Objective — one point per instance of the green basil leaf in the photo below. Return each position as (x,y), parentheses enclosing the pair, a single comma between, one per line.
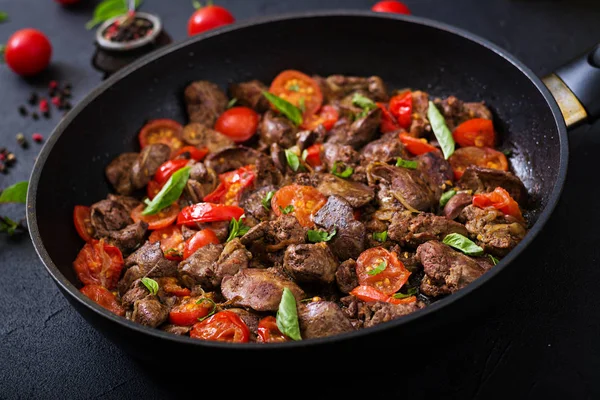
(170,192)
(440,130)
(400,162)
(304,154)
(108,9)
(287,315)
(16,193)
(285,107)
(237,228)
(151,285)
(344,174)
(292,160)
(213,309)
(463,244)
(446,197)
(286,210)
(3,16)
(9,226)
(266,201)
(363,102)
(378,269)
(380,236)
(232,102)
(494,259)
(320,236)
(409,292)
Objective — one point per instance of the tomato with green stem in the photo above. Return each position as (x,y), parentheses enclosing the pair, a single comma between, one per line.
(208,17)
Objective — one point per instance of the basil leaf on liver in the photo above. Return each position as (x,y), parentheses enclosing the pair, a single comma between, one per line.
(285,107)
(169,193)
(287,316)
(463,244)
(440,130)
(446,197)
(400,162)
(319,236)
(150,284)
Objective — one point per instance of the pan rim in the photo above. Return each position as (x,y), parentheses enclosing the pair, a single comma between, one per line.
(428,311)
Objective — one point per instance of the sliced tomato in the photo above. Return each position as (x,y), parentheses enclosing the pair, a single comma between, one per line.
(297,88)
(327,117)
(168,168)
(83,222)
(369,293)
(388,121)
(165,131)
(199,240)
(103,297)
(268,332)
(224,326)
(475,132)
(162,219)
(238,123)
(152,189)
(300,201)
(170,285)
(171,241)
(232,185)
(499,199)
(389,279)
(313,155)
(481,156)
(189,310)
(401,107)
(414,145)
(208,212)
(99,263)
(193,152)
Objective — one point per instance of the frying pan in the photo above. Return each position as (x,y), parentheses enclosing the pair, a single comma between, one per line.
(405,51)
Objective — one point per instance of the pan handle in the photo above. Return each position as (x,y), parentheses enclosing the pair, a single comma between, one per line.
(576,88)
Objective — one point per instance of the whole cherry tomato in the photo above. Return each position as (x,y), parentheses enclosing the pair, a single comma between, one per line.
(391,6)
(239,123)
(28,52)
(209,17)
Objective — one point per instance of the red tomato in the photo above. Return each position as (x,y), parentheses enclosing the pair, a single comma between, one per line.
(164,131)
(327,117)
(401,107)
(388,121)
(209,17)
(292,85)
(194,152)
(499,199)
(171,241)
(475,132)
(208,212)
(481,156)
(414,145)
(83,224)
(390,279)
(99,264)
(67,2)
(28,52)
(162,219)
(199,240)
(313,155)
(224,326)
(233,183)
(171,285)
(152,189)
(369,293)
(301,201)
(239,123)
(168,168)
(391,6)
(189,310)
(268,332)
(103,297)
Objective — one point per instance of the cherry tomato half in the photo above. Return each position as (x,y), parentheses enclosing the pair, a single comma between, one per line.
(369,293)
(162,219)
(223,326)
(232,185)
(499,199)
(199,240)
(481,156)
(99,263)
(313,155)
(401,107)
(83,223)
(475,132)
(391,6)
(238,123)
(300,201)
(171,241)
(168,168)
(28,52)
(209,17)
(268,332)
(152,189)
(103,297)
(189,310)
(170,285)
(381,269)
(297,88)
(414,145)
(194,152)
(327,117)
(165,131)
(388,121)
(208,212)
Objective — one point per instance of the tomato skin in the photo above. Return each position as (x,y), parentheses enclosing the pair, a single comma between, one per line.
(208,212)
(327,117)
(152,189)
(499,199)
(99,263)
(168,168)
(416,146)
(194,152)
(171,241)
(391,6)
(224,326)
(401,107)
(481,156)
(165,131)
(171,285)
(28,52)
(306,201)
(231,186)
(82,221)
(390,280)
(104,298)
(388,121)
(368,294)
(208,17)
(308,89)
(199,240)
(313,155)
(188,311)
(475,132)
(268,332)
(238,123)
(162,219)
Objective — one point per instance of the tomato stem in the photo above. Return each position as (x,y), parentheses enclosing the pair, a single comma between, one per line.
(2,49)
(196,4)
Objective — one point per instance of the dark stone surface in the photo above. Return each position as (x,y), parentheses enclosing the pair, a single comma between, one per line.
(538,340)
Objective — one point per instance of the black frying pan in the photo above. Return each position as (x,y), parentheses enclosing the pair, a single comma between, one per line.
(404,51)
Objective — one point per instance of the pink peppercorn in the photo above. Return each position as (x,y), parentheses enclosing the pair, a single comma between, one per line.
(56,101)
(37,137)
(44,106)
(53,85)
(2,156)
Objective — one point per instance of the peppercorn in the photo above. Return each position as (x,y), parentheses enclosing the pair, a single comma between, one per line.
(33,98)
(23,111)
(44,106)
(37,137)
(35,116)
(66,105)
(66,92)
(53,85)
(46,114)
(10,159)
(21,140)
(56,101)
(3,168)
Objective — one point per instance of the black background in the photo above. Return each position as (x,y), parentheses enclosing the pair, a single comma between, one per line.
(539,339)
